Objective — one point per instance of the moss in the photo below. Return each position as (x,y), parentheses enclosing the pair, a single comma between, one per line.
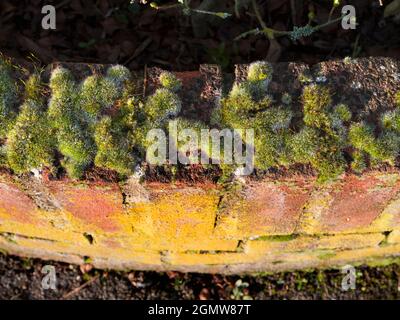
(359,163)
(99,93)
(189,146)
(119,75)
(68,119)
(169,81)
(8,97)
(30,143)
(259,76)
(162,105)
(260,71)
(398,99)
(316,101)
(328,133)
(304,145)
(382,149)
(286,98)
(3,156)
(343,112)
(114,150)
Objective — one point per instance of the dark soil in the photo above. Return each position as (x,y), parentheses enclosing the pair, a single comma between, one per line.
(124,31)
(21,279)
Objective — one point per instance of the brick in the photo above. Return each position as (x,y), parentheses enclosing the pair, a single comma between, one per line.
(268,208)
(304,243)
(352,205)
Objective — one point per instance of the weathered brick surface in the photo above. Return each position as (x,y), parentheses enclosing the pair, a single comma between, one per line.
(272,226)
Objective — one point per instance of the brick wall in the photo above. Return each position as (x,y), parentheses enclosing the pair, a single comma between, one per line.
(271,224)
(277,223)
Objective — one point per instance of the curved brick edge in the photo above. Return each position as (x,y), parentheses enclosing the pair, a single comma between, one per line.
(269,225)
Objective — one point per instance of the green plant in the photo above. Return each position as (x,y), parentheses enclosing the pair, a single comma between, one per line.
(30,143)
(169,81)
(188,138)
(162,105)
(68,119)
(381,149)
(114,148)
(249,105)
(8,97)
(326,130)
(98,93)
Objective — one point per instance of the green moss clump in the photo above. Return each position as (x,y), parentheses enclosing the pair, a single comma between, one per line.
(316,101)
(30,143)
(359,163)
(322,142)
(119,75)
(398,99)
(259,76)
(342,112)
(188,137)
(3,156)
(99,93)
(8,97)
(260,71)
(382,149)
(304,145)
(69,120)
(114,148)
(169,81)
(162,105)
(248,106)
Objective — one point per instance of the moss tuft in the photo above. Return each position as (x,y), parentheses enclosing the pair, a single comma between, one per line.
(114,149)
(316,101)
(259,76)
(8,97)
(382,149)
(169,81)
(162,105)
(30,143)
(189,140)
(343,112)
(68,119)
(260,71)
(119,75)
(99,93)
(328,133)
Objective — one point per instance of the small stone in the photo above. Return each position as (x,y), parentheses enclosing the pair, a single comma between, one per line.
(204,294)
(86,268)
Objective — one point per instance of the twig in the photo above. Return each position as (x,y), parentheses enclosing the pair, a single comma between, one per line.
(272,33)
(258,14)
(76,290)
(237,4)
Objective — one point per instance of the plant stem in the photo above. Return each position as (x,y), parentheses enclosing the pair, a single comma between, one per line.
(271,33)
